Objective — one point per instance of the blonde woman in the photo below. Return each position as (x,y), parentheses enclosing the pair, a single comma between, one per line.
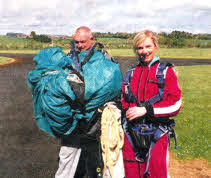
(148,102)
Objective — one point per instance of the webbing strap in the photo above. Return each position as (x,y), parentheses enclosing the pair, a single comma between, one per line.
(128,91)
(128,76)
(161,131)
(74,56)
(125,128)
(160,77)
(143,129)
(88,55)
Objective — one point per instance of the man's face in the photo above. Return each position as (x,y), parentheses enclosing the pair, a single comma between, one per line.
(83,40)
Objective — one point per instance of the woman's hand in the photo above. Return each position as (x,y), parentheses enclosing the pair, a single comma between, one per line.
(135,112)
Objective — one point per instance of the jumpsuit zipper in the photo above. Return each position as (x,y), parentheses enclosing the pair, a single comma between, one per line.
(139,83)
(145,83)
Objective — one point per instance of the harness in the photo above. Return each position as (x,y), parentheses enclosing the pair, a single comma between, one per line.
(74,55)
(142,136)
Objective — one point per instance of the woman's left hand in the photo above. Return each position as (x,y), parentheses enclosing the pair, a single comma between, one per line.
(135,112)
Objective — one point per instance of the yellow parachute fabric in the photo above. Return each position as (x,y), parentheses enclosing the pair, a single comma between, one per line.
(112,137)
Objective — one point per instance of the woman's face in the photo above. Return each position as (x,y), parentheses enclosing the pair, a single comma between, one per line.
(146,50)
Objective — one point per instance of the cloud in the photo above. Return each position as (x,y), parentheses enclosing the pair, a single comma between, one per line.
(64,16)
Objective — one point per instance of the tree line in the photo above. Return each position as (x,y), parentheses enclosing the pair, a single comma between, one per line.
(40,38)
(175,39)
(173,34)
(121,40)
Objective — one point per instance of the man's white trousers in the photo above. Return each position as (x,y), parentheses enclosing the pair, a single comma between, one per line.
(68,162)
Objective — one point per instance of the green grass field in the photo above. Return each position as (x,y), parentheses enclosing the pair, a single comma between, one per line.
(193,122)
(196,53)
(4,60)
(192,53)
(19,43)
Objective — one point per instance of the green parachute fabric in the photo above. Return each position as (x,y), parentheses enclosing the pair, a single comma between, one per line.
(56,108)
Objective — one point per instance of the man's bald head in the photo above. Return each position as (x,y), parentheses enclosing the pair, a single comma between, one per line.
(83,38)
(84,30)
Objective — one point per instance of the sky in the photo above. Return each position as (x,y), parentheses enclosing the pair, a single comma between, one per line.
(63,17)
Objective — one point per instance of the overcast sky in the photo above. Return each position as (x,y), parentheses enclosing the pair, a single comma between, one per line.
(64,16)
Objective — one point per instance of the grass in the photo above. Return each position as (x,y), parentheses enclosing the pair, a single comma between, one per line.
(19,43)
(193,122)
(189,53)
(192,53)
(200,53)
(4,60)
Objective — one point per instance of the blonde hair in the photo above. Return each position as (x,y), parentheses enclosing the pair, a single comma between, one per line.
(141,36)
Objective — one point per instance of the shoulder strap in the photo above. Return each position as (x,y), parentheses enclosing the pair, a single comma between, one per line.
(160,75)
(104,52)
(128,94)
(73,54)
(128,76)
(89,55)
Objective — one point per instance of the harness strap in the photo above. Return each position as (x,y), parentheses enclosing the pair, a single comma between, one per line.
(73,54)
(161,131)
(88,55)
(171,134)
(160,75)
(125,128)
(128,92)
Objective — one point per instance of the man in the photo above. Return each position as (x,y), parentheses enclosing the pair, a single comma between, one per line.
(67,93)
(75,146)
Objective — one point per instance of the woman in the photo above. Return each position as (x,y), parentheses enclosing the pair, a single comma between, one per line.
(143,110)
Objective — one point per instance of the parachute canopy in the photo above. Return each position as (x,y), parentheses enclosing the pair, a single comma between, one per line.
(56,107)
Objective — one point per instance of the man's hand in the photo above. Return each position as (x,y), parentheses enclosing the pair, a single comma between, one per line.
(135,112)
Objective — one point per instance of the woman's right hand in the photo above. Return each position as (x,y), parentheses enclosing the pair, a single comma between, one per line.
(135,112)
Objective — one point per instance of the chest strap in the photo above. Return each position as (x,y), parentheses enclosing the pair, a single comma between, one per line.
(160,75)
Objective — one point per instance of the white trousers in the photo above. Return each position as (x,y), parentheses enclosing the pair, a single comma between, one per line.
(68,162)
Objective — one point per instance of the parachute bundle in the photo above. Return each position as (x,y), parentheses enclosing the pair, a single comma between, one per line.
(57,108)
(112,139)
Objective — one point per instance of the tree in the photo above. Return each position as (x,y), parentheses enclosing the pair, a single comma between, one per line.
(32,34)
(42,38)
(179,42)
